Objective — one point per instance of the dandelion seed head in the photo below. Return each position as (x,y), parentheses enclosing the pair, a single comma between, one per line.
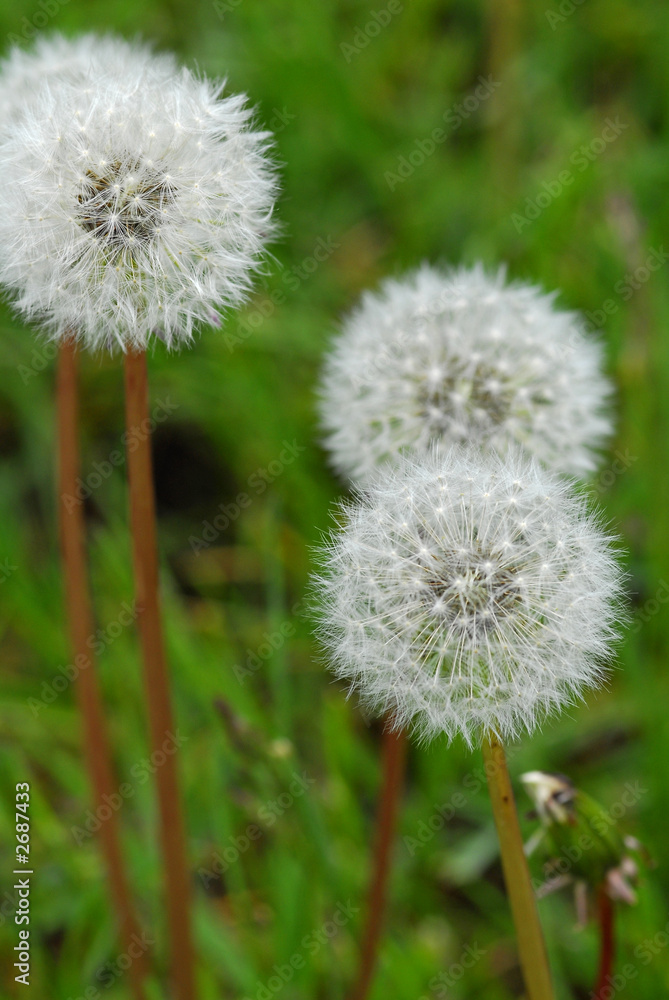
(457,611)
(135,198)
(448,357)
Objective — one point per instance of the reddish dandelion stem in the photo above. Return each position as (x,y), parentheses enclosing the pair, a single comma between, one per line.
(161,724)
(394,755)
(80,626)
(605,915)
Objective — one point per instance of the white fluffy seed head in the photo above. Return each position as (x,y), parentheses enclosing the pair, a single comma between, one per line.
(468,593)
(447,357)
(82,59)
(135,202)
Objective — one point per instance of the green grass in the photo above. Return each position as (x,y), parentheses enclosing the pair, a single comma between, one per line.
(342,127)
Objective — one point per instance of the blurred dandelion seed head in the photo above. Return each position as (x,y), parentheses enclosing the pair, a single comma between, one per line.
(460,356)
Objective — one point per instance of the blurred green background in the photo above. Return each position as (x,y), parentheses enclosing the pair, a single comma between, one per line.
(353,109)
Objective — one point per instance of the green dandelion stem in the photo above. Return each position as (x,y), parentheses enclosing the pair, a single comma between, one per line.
(531,947)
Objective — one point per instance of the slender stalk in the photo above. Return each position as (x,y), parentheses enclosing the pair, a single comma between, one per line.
(80,626)
(605,914)
(161,724)
(394,755)
(531,947)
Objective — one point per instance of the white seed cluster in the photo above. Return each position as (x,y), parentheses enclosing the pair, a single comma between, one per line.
(82,59)
(468,593)
(459,356)
(136,200)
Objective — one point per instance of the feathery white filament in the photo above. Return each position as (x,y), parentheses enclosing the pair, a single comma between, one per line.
(82,59)
(135,201)
(459,356)
(467,592)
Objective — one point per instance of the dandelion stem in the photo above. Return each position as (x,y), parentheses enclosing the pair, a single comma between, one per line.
(394,754)
(161,724)
(80,626)
(605,914)
(531,947)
